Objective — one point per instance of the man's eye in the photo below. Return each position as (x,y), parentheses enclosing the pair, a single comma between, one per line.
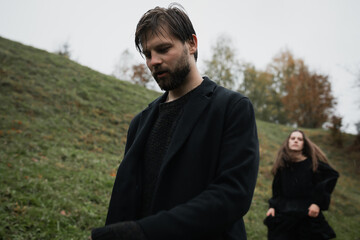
(164,50)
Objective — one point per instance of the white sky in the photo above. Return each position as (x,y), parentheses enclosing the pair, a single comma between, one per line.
(324,33)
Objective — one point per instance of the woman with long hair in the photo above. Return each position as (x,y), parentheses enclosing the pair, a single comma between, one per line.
(302,186)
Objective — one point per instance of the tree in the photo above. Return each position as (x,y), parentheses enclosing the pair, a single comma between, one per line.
(259,87)
(223,67)
(64,50)
(141,74)
(356,144)
(308,99)
(335,131)
(123,68)
(283,67)
(306,96)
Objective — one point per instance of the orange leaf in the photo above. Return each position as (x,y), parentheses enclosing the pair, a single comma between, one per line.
(64,213)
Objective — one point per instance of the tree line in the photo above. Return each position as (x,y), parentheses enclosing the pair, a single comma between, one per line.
(287,92)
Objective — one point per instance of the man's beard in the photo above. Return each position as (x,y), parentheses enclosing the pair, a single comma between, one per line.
(177,77)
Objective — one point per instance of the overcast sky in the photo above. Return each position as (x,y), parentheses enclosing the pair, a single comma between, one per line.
(324,33)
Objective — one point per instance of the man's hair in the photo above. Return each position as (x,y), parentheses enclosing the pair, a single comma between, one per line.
(173,17)
(310,150)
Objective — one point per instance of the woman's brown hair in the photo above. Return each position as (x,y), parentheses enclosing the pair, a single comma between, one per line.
(285,156)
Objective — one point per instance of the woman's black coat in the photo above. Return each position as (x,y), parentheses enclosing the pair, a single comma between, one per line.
(295,188)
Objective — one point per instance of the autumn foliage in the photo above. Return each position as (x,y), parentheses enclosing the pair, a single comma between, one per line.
(306,96)
(287,92)
(141,74)
(259,87)
(308,100)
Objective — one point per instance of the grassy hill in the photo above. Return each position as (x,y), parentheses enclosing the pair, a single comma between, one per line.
(62,134)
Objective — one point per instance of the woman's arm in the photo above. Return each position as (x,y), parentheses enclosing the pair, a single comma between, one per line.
(325,180)
(276,190)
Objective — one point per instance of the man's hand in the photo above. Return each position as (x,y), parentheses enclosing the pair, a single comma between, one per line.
(314,210)
(271,212)
(128,230)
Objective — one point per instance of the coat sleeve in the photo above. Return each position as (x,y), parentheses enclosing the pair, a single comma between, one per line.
(131,133)
(325,179)
(113,212)
(276,190)
(227,199)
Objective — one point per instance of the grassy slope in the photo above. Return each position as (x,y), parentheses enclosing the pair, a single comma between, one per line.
(62,134)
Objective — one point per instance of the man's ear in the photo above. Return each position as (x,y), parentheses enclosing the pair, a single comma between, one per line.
(193,44)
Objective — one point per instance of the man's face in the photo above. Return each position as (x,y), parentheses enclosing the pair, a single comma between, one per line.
(167,58)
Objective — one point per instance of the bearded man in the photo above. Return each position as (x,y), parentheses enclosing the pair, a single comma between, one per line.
(191,157)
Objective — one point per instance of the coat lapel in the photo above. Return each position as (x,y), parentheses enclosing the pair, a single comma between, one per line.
(193,109)
(147,118)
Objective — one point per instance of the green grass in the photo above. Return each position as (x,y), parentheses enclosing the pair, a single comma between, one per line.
(62,133)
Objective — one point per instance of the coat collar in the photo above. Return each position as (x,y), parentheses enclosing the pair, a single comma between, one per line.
(193,109)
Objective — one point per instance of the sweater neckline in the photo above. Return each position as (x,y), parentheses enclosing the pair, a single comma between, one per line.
(302,161)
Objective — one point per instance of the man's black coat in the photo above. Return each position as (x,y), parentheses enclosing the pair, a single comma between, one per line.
(208,175)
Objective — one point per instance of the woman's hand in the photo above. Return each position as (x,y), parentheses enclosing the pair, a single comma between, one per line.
(271,212)
(314,210)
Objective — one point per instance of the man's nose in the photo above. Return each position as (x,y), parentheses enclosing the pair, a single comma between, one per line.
(155,60)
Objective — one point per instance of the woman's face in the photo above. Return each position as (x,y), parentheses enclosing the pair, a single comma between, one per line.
(296,141)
